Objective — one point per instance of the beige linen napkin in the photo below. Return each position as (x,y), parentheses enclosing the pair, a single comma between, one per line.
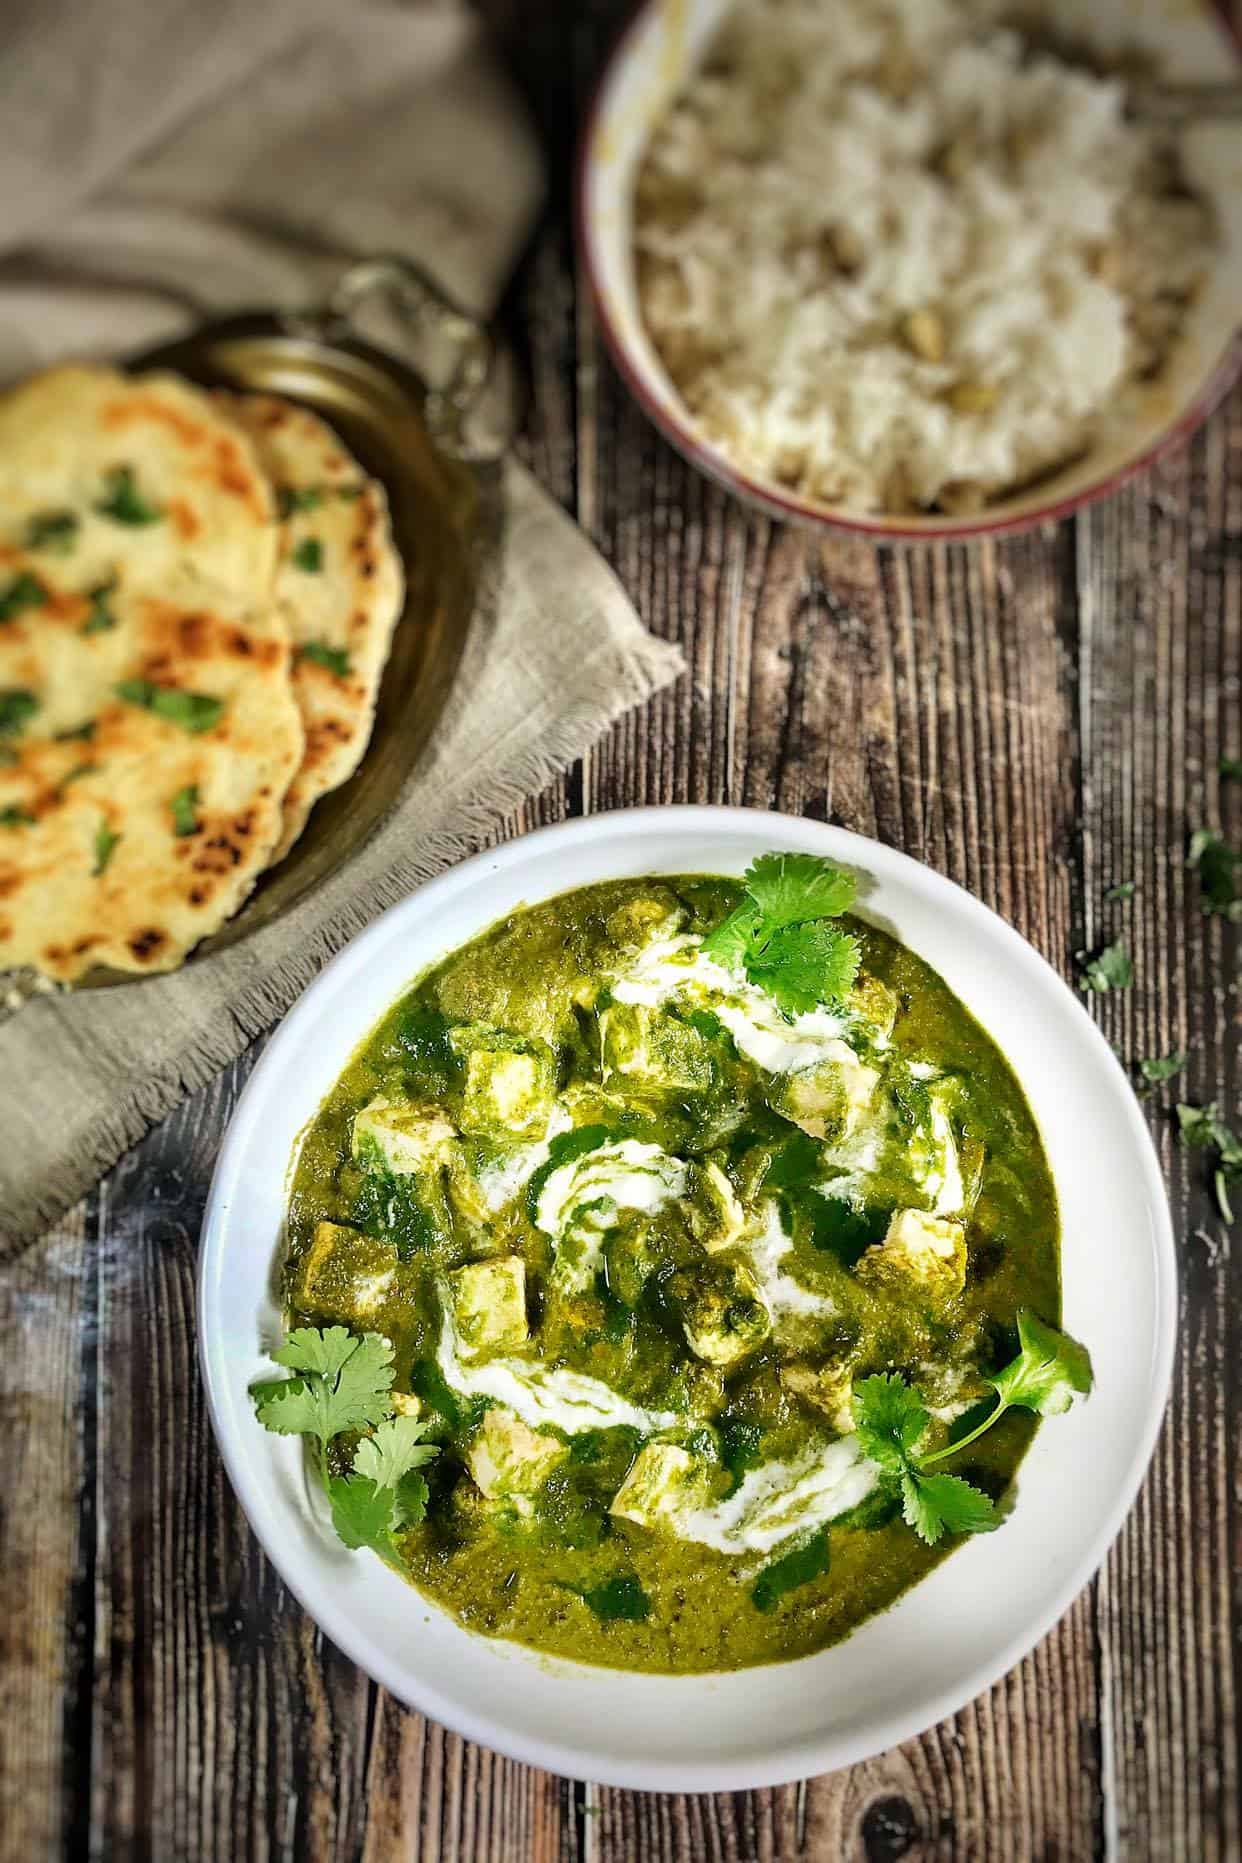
(161,164)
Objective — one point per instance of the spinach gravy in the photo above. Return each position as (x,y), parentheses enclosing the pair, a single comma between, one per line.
(634,1231)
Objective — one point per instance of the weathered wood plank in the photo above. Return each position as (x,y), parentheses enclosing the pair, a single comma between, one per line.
(44,1318)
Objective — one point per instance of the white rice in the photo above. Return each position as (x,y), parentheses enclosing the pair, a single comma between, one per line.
(843,186)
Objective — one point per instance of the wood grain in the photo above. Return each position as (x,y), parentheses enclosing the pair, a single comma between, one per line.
(1037,718)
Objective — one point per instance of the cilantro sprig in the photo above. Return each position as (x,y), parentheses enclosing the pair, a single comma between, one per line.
(779,935)
(341,1385)
(891,1418)
(1220,873)
(1203,1128)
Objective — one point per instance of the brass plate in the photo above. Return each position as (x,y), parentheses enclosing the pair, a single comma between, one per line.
(443,526)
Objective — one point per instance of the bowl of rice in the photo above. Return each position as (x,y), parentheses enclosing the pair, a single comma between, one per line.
(915,268)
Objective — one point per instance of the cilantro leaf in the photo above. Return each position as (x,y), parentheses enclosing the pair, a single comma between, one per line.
(1109,969)
(789,889)
(14,816)
(1049,1371)
(193,711)
(82,734)
(805,965)
(185,810)
(889,1418)
(1220,867)
(938,1504)
(291,498)
(53,531)
(362,1514)
(1164,1067)
(1231,768)
(23,592)
(806,1562)
(72,776)
(122,501)
(100,618)
(307,555)
(106,840)
(17,708)
(393,1450)
(1202,1127)
(412,1496)
(335,659)
(344,1383)
(731,939)
(779,933)
(1124,889)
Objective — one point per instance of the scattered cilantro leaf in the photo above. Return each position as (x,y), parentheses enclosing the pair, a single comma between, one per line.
(307,555)
(1220,872)
(336,659)
(185,810)
(1109,969)
(122,501)
(100,618)
(82,733)
(779,933)
(618,1600)
(806,1562)
(291,498)
(53,531)
(13,815)
(1164,1067)
(1203,1128)
(1231,768)
(790,889)
(1124,889)
(889,1418)
(412,1495)
(938,1504)
(17,708)
(23,592)
(106,840)
(193,711)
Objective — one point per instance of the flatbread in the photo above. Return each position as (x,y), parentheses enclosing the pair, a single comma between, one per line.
(341,613)
(102,473)
(143,766)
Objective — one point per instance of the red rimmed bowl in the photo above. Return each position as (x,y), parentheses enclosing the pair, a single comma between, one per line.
(649,66)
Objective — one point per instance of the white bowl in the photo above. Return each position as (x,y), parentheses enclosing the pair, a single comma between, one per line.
(651,63)
(982,1609)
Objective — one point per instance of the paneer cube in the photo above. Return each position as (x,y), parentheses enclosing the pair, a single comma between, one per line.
(724,1317)
(713,1213)
(509,1462)
(489,1306)
(649,1049)
(344,1277)
(661,1479)
(875,1003)
(827,1099)
(826,1388)
(407,1140)
(406,1404)
(507,1093)
(920,1254)
(632,924)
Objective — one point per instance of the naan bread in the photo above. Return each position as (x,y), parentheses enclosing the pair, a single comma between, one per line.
(338,582)
(147,738)
(102,473)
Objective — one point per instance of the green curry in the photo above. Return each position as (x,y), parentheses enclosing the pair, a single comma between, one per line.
(643,1188)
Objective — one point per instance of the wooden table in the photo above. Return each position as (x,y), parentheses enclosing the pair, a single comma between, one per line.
(1038,719)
